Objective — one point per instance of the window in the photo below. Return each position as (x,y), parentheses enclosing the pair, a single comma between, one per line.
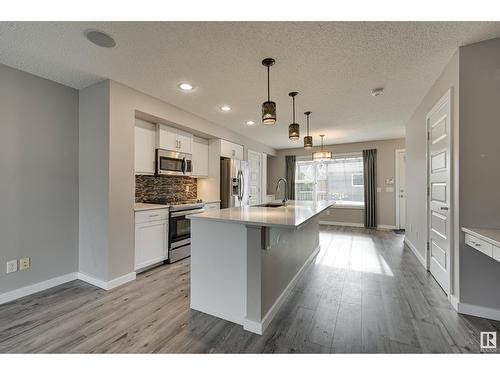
(357,179)
(339,179)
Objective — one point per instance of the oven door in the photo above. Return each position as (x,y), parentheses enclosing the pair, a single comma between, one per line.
(180,228)
(173,163)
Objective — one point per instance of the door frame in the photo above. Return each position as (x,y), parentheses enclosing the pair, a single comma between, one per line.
(396,155)
(259,185)
(447,97)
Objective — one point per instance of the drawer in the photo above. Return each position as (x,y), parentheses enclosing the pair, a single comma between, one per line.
(496,253)
(212,206)
(478,244)
(151,215)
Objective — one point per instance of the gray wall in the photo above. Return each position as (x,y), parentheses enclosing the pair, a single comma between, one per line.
(386,212)
(416,164)
(94,177)
(479,167)
(39,177)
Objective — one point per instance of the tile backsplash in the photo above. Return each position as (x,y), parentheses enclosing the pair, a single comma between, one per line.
(171,188)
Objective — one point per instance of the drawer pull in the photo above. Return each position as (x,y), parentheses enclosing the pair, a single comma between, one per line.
(154,215)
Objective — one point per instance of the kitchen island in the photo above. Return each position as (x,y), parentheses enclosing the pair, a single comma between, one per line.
(245,261)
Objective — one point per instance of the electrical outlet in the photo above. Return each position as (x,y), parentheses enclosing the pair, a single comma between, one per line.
(327,212)
(187,188)
(24,264)
(12,266)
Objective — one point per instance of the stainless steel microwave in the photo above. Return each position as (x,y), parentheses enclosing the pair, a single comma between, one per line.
(173,163)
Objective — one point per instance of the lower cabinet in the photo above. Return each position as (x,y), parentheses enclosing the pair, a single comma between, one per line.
(151,239)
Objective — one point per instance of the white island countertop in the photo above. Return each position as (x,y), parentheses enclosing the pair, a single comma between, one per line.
(294,214)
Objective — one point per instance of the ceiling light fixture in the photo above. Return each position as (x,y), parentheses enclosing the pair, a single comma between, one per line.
(225,108)
(185,86)
(377,91)
(250,123)
(293,128)
(269,107)
(308,140)
(100,38)
(321,155)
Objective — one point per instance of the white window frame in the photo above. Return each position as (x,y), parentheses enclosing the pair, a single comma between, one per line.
(338,204)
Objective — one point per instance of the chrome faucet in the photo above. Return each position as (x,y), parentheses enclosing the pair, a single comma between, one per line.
(285,195)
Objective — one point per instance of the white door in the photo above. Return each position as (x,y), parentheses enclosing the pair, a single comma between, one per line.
(401,188)
(253,178)
(439,192)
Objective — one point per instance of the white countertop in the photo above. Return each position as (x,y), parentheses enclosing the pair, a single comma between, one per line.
(148,206)
(489,235)
(294,214)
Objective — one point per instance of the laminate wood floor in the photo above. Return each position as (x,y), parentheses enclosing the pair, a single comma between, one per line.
(365,293)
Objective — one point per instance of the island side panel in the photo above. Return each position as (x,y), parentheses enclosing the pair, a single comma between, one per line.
(286,258)
(272,273)
(218,269)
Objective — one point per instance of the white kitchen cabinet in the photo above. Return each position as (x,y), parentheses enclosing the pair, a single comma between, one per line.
(200,157)
(173,139)
(151,237)
(231,150)
(144,147)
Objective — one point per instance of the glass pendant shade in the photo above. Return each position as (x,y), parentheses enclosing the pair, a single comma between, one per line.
(294,132)
(322,154)
(308,141)
(269,113)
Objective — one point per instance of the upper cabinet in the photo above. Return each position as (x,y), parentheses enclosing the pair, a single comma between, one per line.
(200,157)
(231,150)
(144,143)
(173,139)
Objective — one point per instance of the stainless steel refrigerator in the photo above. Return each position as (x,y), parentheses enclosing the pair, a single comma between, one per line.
(233,183)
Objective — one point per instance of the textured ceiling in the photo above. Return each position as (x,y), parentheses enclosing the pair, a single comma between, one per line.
(333,65)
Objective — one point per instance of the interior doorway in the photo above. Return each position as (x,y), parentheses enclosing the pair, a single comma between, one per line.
(400,189)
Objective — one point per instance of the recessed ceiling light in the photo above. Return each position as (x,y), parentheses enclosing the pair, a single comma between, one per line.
(250,123)
(377,91)
(100,38)
(225,108)
(185,86)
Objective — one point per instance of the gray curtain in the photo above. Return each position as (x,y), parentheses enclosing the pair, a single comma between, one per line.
(290,175)
(369,173)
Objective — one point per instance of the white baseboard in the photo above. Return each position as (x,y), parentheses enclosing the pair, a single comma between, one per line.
(342,224)
(355,225)
(480,311)
(415,251)
(121,280)
(260,327)
(217,314)
(453,301)
(106,285)
(38,287)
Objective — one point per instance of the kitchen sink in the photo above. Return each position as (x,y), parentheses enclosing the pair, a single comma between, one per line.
(275,204)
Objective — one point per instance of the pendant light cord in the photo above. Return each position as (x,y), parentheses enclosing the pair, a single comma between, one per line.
(308,125)
(268,90)
(293,108)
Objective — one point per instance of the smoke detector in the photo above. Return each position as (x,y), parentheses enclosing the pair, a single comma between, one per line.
(377,91)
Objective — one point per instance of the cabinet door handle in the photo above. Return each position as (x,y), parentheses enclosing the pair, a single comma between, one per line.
(444,208)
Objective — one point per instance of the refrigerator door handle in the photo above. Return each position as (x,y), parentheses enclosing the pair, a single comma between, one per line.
(242,186)
(239,184)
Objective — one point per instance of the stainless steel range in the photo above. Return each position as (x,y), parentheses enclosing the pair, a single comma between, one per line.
(179,238)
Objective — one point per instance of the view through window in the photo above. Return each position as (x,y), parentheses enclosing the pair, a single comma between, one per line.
(339,179)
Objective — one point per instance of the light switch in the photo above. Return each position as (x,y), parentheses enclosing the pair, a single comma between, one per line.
(379,190)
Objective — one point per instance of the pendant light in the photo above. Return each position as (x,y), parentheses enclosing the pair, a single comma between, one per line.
(293,128)
(269,107)
(308,140)
(322,155)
